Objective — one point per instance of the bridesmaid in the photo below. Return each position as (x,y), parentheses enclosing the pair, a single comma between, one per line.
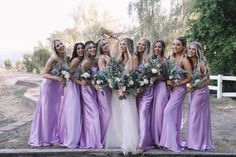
(70,112)
(199,135)
(161,95)
(44,126)
(91,131)
(104,100)
(171,136)
(144,100)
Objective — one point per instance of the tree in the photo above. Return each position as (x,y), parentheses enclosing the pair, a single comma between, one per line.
(154,23)
(214,26)
(37,60)
(8,64)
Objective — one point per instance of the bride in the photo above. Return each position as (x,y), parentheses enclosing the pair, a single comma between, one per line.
(123,129)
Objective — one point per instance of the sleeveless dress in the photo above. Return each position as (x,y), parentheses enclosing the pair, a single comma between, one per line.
(171,136)
(70,123)
(160,99)
(144,102)
(91,131)
(44,128)
(199,135)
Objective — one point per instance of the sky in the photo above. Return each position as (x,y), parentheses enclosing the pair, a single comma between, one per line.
(25,22)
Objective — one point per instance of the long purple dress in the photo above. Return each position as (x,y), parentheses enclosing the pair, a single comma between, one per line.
(70,116)
(199,135)
(160,98)
(104,101)
(91,131)
(170,136)
(144,102)
(44,128)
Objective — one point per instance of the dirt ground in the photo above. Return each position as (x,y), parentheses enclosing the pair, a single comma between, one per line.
(223,116)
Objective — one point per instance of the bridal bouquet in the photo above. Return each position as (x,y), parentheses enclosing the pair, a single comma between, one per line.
(100,79)
(114,73)
(129,85)
(62,70)
(171,71)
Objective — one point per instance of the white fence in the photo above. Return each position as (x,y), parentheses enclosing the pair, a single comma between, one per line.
(218,88)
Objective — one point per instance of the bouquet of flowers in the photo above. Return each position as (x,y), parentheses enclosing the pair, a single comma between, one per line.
(114,73)
(129,85)
(197,78)
(171,71)
(143,77)
(81,74)
(62,70)
(153,68)
(100,79)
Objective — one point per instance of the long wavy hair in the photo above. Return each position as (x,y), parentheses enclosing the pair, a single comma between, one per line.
(99,46)
(183,40)
(146,54)
(74,53)
(130,50)
(163,46)
(200,58)
(54,54)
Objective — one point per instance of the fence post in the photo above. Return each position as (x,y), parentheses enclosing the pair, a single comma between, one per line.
(219,86)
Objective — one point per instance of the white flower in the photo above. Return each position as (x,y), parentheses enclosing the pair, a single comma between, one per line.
(154,71)
(117,79)
(141,83)
(123,88)
(197,81)
(85,75)
(110,85)
(65,74)
(99,82)
(145,81)
(170,77)
(131,82)
(109,81)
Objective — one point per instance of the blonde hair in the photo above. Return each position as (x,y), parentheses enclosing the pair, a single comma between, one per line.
(130,51)
(99,46)
(54,54)
(201,60)
(146,54)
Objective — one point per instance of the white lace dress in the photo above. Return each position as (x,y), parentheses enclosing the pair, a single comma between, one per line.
(123,129)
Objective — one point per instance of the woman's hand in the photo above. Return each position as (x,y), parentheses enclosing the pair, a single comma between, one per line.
(60,79)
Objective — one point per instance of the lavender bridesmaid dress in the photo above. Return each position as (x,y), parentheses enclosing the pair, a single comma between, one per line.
(44,128)
(144,102)
(170,136)
(199,135)
(104,101)
(70,116)
(91,131)
(160,98)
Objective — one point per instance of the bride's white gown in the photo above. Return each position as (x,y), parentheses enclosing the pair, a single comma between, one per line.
(123,129)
